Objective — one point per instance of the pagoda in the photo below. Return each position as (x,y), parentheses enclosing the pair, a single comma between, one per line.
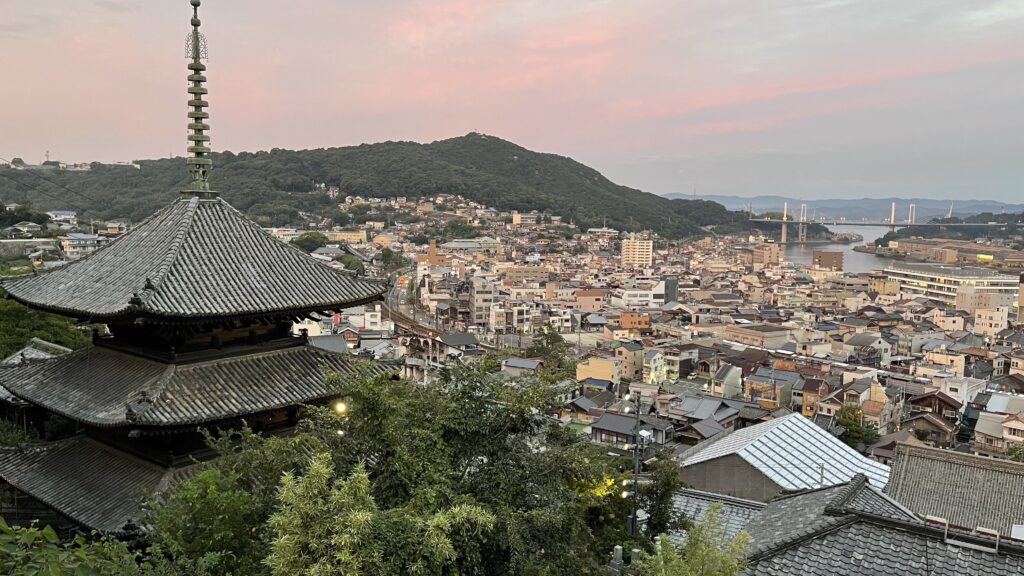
(199,303)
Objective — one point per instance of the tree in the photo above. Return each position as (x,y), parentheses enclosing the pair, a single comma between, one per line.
(19,324)
(1015,452)
(708,551)
(12,435)
(211,518)
(392,260)
(36,550)
(310,241)
(859,434)
(657,497)
(330,525)
(556,352)
(352,263)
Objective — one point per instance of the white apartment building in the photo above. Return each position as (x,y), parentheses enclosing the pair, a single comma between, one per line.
(991,321)
(943,283)
(76,245)
(637,251)
(510,317)
(481,296)
(639,296)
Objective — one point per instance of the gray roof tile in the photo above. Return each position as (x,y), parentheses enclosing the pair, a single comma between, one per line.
(969,491)
(97,385)
(193,259)
(94,485)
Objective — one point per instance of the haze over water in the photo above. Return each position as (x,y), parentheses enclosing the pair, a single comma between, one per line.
(855,262)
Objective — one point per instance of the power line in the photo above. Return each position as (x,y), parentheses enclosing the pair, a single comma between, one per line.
(38,175)
(43,192)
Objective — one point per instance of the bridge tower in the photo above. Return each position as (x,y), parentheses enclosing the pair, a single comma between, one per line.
(912,215)
(892,218)
(785,226)
(801,229)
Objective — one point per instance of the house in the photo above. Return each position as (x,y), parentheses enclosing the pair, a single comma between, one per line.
(785,454)
(814,390)
(771,387)
(995,433)
(76,245)
(516,367)
(621,429)
(631,356)
(727,381)
(698,418)
(853,529)
(884,449)
(459,345)
(966,490)
(936,415)
(63,217)
(603,367)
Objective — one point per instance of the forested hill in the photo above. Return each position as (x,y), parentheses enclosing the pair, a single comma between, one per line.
(272,187)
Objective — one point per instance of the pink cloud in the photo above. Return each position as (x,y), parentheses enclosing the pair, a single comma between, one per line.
(688,101)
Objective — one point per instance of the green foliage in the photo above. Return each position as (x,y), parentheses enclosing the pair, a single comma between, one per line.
(458,476)
(461,475)
(656,498)
(458,229)
(273,187)
(708,551)
(859,434)
(22,214)
(310,241)
(392,260)
(12,435)
(352,263)
(210,516)
(1015,452)
(558,356)
(330,525)
(36,551)
(19,324)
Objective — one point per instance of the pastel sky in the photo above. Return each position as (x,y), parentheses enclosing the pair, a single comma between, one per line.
(810,98)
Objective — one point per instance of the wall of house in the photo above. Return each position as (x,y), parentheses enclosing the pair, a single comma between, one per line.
(732,476)
(600,368)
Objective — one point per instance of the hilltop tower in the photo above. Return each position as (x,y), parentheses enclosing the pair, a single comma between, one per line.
(199,302)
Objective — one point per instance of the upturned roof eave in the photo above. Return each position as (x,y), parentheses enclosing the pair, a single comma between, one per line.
(133,312)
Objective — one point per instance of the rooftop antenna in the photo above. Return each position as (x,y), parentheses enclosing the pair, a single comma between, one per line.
(199,163)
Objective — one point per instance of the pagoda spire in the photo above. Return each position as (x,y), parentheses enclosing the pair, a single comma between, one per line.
(199,162)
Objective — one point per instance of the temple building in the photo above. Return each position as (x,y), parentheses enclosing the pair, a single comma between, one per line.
(198,302)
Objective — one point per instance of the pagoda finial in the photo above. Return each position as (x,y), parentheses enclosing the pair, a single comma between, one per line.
(199,162)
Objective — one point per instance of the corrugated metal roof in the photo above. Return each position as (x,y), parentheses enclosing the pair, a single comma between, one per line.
(193,259)
(110,388)
(793,452)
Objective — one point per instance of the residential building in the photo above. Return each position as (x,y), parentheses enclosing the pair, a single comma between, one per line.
(943,283)
(637,251)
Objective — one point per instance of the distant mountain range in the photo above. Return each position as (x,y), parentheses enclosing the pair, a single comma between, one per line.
(861,208)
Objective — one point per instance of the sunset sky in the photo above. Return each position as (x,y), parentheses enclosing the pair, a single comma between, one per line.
(823,98)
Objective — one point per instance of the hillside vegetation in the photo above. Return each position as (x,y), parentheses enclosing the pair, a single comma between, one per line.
(273,187)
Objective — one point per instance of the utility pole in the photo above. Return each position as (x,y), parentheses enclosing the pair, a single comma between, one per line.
(631,523)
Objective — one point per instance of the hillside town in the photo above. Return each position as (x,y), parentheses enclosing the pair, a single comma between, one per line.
(426,384)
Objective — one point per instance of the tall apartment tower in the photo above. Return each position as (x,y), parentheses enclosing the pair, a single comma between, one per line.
(637,251)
